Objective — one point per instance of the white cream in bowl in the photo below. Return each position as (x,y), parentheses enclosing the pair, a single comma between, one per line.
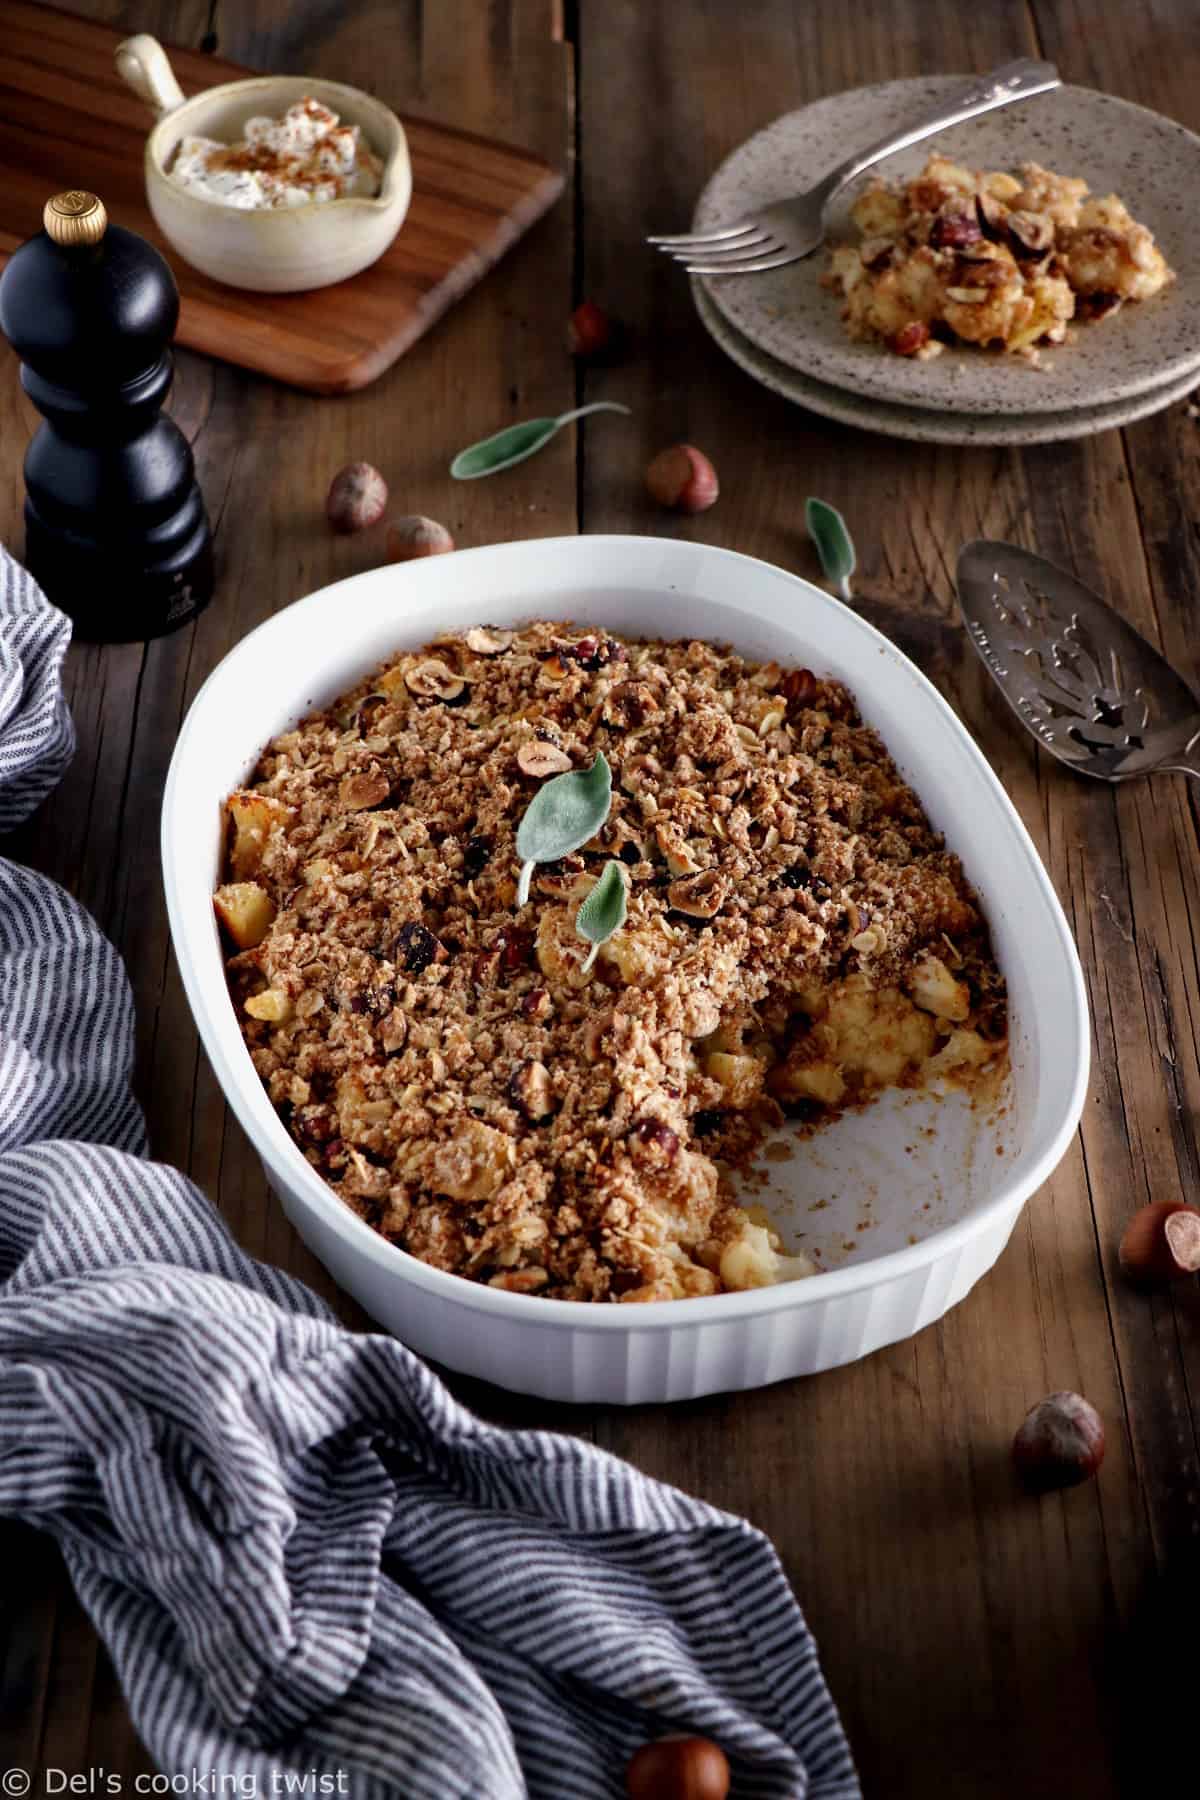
(306,156)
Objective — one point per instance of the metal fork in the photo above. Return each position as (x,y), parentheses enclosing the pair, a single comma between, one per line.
(791,229)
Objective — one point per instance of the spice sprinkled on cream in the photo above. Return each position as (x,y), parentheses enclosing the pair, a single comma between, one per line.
(307,155)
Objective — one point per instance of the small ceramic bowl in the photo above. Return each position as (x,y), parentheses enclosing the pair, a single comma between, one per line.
(280,250)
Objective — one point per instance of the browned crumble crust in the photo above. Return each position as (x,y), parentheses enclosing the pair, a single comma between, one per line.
(797,938)
(985,257)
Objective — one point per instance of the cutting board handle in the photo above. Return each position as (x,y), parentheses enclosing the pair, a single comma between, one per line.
(143,63)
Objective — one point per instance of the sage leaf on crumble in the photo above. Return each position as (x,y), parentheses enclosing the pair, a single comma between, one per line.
(565,812)
(835,547)
(603,911)
(516,442)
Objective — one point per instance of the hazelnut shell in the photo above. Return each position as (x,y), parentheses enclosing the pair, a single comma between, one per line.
(357,497)
(414,536)
(679,1768)
(683,479)
(1060,1443)
(1161,1243)
(589,330)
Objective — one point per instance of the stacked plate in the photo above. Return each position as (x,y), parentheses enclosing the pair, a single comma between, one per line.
(784,328)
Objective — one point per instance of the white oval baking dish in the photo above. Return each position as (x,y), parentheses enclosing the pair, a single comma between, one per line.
(909,1198)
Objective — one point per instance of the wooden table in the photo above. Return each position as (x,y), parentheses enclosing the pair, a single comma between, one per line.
(979,1643)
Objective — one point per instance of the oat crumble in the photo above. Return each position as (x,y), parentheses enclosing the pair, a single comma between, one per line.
(798,938)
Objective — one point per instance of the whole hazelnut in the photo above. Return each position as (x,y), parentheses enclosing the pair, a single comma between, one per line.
(590,331)
(683,479)
(1031,233)
(910,338)
(1161,1243)
(1060,1443)
(414,536)
(951,231)
(800,686)
(655,1141)
(687,1768)
(357,497)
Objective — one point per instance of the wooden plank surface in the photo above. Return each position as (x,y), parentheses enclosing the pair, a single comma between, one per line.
(67,119)
(976,1646)
(979,1643)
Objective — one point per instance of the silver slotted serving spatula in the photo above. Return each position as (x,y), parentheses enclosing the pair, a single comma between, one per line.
(1091,690)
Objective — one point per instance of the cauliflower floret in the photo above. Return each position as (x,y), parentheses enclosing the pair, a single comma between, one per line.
(940,180)
(1107,212)
(845,272)
(473,1164)
(1053,308)
(873,1036)
(876,1032)
(1000,185)
(272,1005)
(252,818)
(636,953)
(741,1077)
(919,283)
(246,910)
(633,954)
(935,990)
(879,212)
(796,1079)
(963,1050)
(1110,253)
(1045,192)
(987,300)
(896,297)
(754,1260)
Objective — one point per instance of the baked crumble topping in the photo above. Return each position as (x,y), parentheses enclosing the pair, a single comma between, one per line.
(797,938)
(984,257)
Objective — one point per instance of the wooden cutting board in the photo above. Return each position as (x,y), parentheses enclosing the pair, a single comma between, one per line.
(68,120)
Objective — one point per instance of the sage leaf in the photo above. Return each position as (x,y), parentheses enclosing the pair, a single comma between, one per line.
(835,547)
(565,812)
(603,910)
(516,442)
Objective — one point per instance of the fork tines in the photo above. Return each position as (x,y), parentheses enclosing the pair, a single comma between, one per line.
(734,250)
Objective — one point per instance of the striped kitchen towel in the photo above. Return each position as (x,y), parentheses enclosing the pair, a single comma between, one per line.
(315,1572)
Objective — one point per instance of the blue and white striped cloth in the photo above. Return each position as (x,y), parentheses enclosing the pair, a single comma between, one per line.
(305,1558)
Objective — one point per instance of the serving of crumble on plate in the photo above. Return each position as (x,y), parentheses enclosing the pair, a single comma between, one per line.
(1110,249)
(797,939)
(988,257)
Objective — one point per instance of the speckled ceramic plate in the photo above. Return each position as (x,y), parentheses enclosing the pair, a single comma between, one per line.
(920,424)
(1152,163)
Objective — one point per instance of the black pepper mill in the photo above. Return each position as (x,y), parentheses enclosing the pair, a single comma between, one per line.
(115,528)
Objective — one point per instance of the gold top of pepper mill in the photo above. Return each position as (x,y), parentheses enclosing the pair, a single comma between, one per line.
(75,217)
